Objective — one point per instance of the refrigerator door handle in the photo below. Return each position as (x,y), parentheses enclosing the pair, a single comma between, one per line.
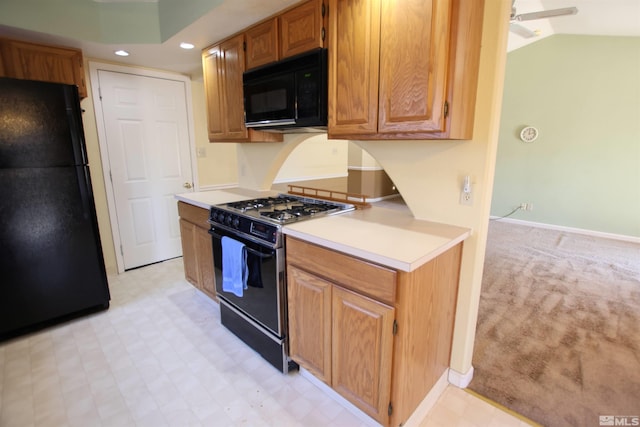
(74,116)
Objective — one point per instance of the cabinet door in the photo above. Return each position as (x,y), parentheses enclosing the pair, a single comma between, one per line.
(309,300)
(189,251)
(353,72)
(301,29)
(362,341)
(262,44)
(212,74)
(222,67)
(45,63)
(414,58)
(232,52)
(204,252)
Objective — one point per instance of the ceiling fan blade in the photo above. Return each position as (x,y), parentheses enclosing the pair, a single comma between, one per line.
(521,31)
(546,14)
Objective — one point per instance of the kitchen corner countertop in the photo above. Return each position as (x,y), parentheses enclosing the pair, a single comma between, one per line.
(390,237)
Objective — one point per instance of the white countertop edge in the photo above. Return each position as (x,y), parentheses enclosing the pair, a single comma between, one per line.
(439,251)
(377,258)
(197,203)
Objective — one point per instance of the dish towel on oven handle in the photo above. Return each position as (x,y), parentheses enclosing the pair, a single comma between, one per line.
(234,266)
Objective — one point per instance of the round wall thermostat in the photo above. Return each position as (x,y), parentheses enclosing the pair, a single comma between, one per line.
(529,134)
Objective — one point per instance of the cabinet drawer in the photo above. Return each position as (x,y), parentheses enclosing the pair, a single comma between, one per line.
(358,275)
(194,214)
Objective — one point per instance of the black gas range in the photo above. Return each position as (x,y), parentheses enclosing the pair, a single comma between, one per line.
(249,267)
(262,218)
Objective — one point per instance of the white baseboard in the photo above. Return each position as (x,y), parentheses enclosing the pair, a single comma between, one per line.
(428,402)
(460,380)
(621,237)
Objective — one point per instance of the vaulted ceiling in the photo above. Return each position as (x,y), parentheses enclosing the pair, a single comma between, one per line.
(151,30)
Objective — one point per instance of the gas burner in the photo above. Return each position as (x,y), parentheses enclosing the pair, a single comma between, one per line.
(263,217)
(249,205)
(279,215)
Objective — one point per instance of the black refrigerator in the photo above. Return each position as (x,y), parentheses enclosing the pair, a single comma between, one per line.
(51,263)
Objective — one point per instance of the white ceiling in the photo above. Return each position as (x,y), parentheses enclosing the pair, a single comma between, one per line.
(595,17)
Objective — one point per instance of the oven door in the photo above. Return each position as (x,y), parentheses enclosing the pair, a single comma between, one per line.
(263,300)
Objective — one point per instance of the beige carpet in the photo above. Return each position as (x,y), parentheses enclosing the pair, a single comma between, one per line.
(558,336)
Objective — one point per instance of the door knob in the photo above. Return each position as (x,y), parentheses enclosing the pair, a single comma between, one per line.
(187,185)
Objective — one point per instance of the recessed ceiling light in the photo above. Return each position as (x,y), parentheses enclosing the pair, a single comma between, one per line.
(185,45)
(121,53)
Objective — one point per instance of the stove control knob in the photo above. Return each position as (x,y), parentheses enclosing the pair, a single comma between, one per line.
(236,222)
(228,220)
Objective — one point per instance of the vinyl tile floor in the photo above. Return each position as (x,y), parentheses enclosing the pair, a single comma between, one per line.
(159,357)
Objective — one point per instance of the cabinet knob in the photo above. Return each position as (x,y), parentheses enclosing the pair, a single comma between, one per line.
(187,185)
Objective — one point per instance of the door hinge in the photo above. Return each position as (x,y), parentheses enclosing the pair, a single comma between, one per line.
(244,46)
(395,327)
(100,93)
(324,10)
(390,409)
(323,33)
(110,177)
(446,109)
(121,251)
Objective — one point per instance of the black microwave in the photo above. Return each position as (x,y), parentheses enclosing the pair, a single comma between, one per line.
(289,95)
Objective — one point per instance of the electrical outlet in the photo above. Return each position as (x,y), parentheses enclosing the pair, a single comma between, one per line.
(201,152)
(466,198)
(526,206)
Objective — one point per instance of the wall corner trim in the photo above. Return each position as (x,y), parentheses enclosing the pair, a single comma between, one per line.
(460,380)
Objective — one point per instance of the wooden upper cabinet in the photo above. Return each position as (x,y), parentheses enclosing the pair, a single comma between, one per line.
(353,62)
(30,61)
(413,65)
(302,28)
(295,31)
(406,69)
(223,65)
(212,69)
(262,44)
(233,60)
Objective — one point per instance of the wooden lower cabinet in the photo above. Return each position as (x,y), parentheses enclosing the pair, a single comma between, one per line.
(362,343)
(343,338)
(380,338)
(197,250)
(309,301)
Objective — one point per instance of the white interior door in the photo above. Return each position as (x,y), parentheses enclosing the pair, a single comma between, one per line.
(147,138)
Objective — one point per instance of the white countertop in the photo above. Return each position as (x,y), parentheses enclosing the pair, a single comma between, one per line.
(388,236)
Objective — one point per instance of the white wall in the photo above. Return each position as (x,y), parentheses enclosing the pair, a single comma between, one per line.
(218,167)
(315,158)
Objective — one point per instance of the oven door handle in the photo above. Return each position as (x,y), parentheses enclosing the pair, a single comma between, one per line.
(251,251)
